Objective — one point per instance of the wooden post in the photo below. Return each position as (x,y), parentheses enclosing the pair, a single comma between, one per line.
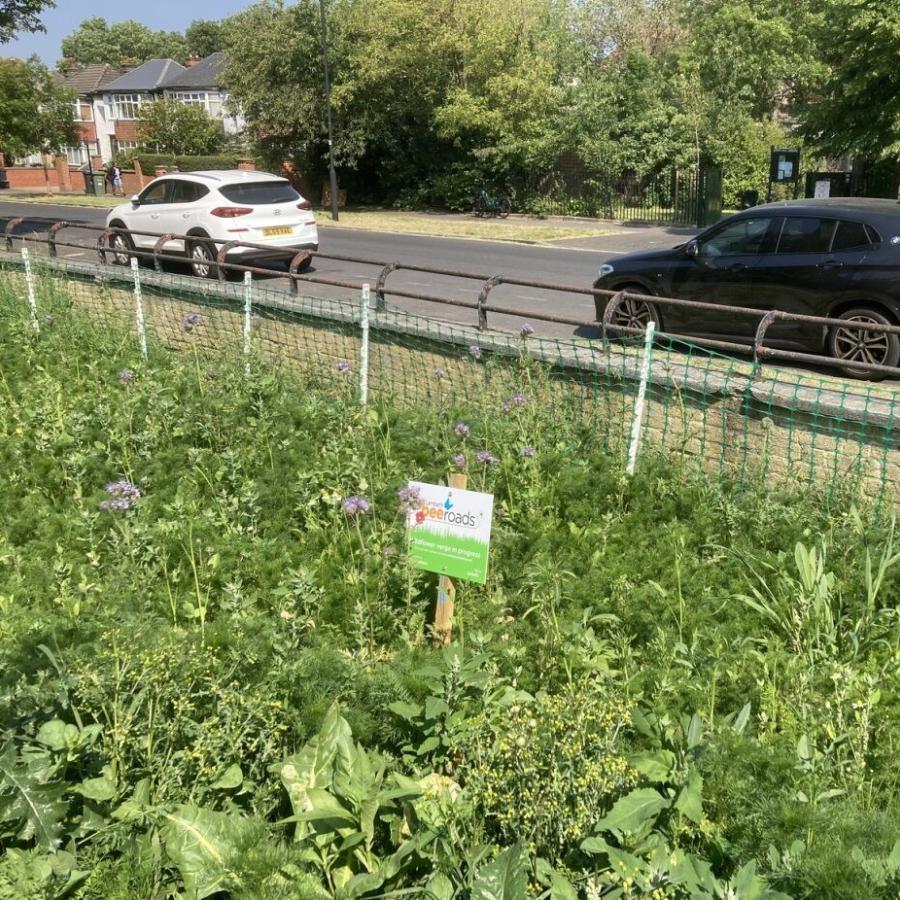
(446,598)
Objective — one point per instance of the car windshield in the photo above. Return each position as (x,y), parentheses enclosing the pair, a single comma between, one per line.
(260,193)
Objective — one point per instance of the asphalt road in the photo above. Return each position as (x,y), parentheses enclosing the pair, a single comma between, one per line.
(569,262)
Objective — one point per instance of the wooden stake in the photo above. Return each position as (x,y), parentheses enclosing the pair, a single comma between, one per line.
(446,598)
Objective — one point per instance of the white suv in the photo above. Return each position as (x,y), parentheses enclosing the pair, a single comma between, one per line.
(210,209)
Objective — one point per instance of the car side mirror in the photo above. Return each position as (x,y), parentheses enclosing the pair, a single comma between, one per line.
(135,200)
(692,249)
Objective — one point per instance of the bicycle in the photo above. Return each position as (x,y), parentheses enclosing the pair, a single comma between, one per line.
(497,205)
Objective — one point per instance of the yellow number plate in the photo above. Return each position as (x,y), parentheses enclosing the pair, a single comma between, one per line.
(276,232)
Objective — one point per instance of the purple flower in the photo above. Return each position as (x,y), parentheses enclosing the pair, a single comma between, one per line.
(475,351)
(460,461)
(126,376)
(409,498)
(356,505)
(440,372)
(191,321)
(343,366)
(486,457)
(460,429)
(526,452)
(515,400)
(526,330)
(122,493)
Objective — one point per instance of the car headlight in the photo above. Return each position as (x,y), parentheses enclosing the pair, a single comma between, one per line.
(606,269)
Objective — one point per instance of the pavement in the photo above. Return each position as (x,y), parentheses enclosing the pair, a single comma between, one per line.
(569,262)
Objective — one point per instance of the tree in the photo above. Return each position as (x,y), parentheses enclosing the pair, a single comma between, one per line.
(203,37)
(35,114)
(172,127)
(856,109)
(129,42)
(21,15)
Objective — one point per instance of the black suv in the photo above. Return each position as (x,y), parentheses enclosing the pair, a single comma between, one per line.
(838,258)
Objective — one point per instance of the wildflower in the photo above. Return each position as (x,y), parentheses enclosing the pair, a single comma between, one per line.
(486,457)
(459,461)
(460,429)
(526,330)
(126,376)
(515,400)
(409,498)
(526,452)
(191,321)
(122,493)
(343,366)
(440,372)
(475,351)
(356,505)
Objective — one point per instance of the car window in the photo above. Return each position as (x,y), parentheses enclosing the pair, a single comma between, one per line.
(187,191)
(802,235)
(850,236)
(156,193)
(260,193)
(744,236)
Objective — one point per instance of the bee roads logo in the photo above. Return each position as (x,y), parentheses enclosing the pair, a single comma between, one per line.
(450,530)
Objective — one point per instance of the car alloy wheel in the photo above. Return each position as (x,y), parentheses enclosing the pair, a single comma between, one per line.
(632,313)
(202,263)
(121,245)
(849,344)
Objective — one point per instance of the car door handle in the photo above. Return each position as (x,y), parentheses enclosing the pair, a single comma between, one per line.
(185,215)
(737,267)
(830,264)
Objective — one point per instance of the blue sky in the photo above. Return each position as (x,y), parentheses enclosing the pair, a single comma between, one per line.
(172,15)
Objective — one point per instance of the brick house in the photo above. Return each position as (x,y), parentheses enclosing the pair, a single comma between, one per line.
(197,84)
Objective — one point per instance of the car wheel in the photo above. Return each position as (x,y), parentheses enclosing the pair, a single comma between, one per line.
(203,259)
(121,247)
(634,313)
(850,344)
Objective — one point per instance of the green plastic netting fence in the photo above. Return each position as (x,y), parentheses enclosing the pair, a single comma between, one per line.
(727,416)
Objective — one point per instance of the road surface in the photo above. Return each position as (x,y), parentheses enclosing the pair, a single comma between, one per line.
(570,262)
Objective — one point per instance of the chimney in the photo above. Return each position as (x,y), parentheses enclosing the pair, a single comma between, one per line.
(192,60)
(70,64)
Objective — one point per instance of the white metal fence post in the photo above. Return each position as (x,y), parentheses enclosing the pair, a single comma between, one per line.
(638,419)
(364,347)
(248,311)
(29,285)
(139,307)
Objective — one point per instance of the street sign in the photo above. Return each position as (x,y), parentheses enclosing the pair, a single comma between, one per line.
(450,531)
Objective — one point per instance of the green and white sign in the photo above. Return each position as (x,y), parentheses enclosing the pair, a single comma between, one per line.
(450,531)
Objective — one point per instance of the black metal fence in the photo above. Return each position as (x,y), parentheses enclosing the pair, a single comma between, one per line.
(670,197)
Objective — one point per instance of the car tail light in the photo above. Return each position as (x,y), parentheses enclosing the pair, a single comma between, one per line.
(231,212)
(304,204)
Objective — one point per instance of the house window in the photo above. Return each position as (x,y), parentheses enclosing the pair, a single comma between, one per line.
(190,98)
(75,156)
(123,146)
(126,106)
(84,112)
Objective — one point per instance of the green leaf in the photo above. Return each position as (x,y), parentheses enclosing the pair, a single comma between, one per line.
(743,717)
(429,744)
(439,887)
(435,707)
(561,888)
(97,789)
(230,779)
(690,800)
(632,811)
(56,734)
(505,878)
(657,765)
(324,809)
(35,807)
(407,711)
(199,842)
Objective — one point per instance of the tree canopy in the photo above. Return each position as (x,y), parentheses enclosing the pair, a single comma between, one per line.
(172,127)
(122,43)
(35,113)
(21,15)
(203,37)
